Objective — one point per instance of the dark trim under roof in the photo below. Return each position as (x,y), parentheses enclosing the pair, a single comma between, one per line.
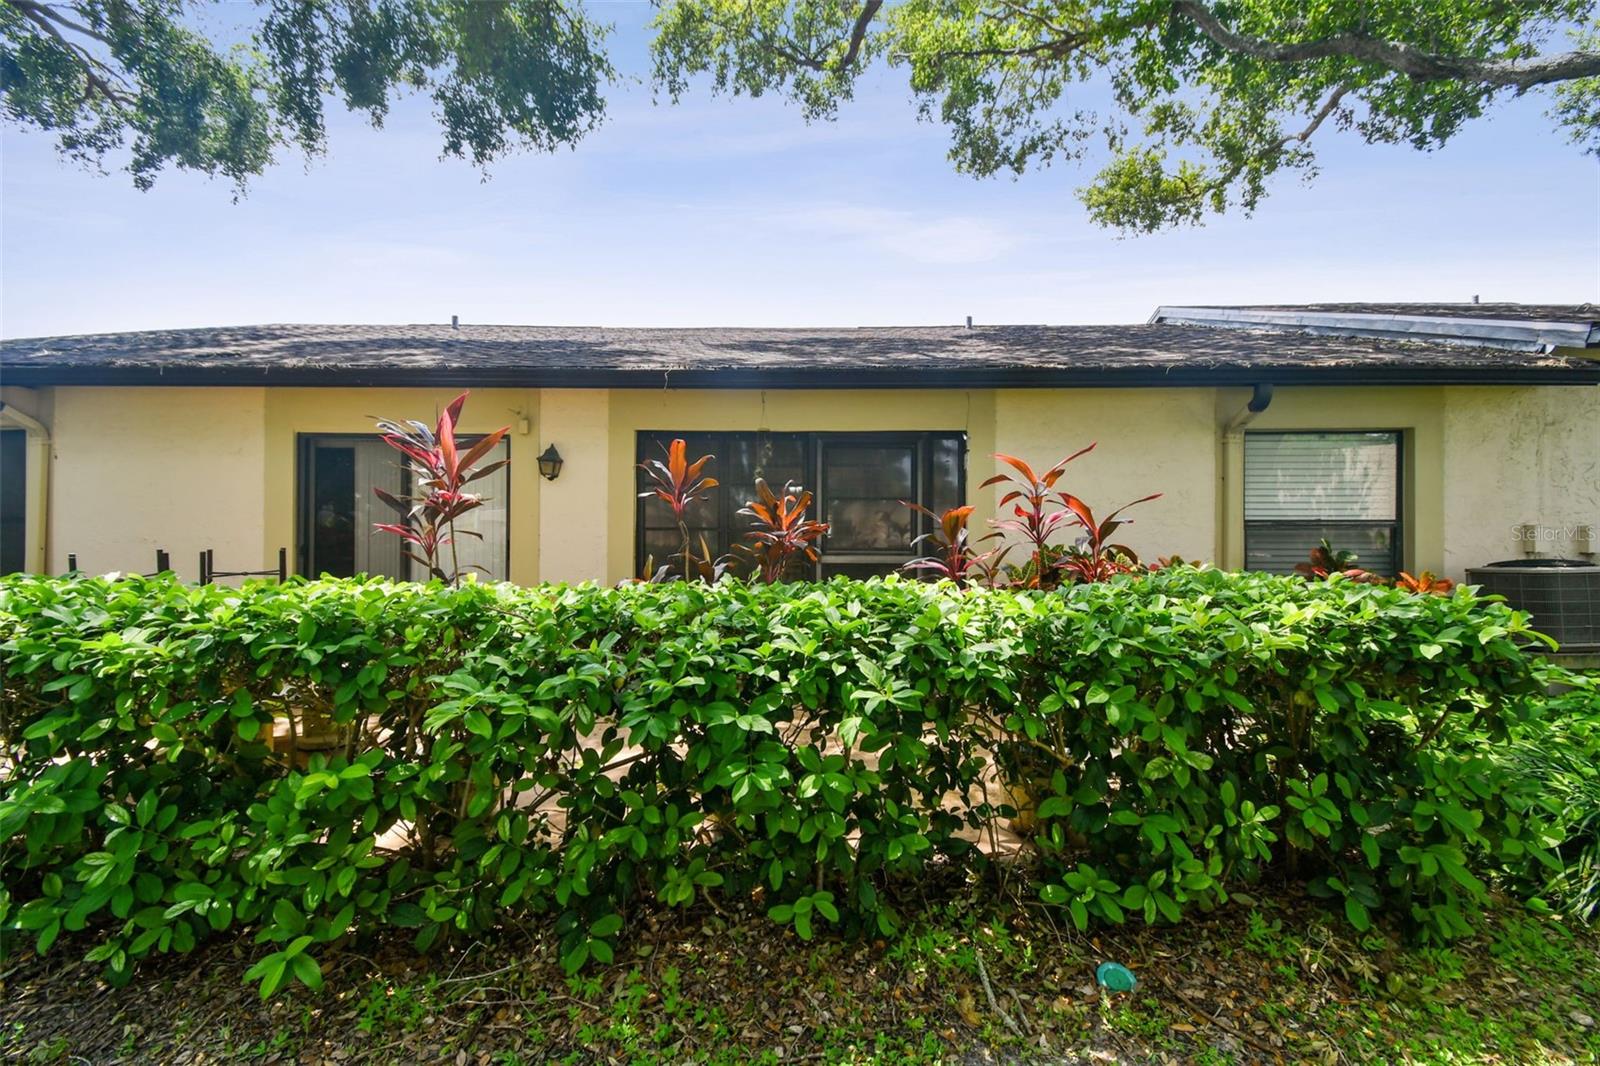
(1146,354)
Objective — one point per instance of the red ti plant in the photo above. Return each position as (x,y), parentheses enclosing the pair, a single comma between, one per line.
(954,557)
(1097,559)
(440,473)
(1035,519)
(679,483)
(781,532)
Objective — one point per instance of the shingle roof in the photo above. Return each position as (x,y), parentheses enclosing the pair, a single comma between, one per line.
(1588,313)
(899,357)
(1522,327)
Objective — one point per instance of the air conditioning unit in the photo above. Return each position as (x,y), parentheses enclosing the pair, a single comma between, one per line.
(1562,595)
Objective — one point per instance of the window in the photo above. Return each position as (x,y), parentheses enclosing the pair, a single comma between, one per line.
(338,509)
(857,479)
(1300,488)
(13,501)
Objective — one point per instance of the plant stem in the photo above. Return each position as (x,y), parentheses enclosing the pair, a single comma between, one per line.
(455,562)
(683,531)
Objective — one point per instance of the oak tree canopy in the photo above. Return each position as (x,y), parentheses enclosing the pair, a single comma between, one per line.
(1194,105)
(1208,99)
(156,77)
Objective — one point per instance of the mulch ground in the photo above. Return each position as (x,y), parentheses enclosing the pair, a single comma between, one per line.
(968,982)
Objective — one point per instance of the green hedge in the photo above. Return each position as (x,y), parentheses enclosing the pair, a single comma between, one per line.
(573,751)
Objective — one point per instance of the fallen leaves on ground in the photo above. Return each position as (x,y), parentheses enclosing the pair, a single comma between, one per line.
(970,981)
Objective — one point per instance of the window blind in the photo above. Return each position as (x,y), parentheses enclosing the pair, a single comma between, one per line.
(1301,488)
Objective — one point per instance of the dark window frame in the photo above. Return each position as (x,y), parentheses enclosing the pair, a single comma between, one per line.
(1397,542)
(815,443)
(305,445)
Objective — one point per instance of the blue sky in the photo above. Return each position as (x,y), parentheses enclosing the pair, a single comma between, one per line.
(736,212)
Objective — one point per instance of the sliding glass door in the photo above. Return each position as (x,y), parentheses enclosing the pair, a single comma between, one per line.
(338,510)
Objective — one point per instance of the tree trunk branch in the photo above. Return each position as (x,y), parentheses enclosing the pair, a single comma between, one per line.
(858,32)
(1317,120)
(35,10)
(45,18)
(1520,74)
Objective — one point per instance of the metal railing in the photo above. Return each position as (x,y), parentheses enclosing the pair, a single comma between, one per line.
(208,566)
(163,563)
(209,571)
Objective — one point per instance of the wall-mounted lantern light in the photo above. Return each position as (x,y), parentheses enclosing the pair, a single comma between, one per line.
(550,463)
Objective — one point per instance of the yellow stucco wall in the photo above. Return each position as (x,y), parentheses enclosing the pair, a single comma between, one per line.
(1146,440)
(573,528)
(134,469)
(1512,457)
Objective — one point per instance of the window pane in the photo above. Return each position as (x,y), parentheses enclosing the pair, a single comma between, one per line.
(343,509)
(659,547)
(944,488)
(859,570)
(778,458)
(489,550)
(379,553)
(333,507)
(701,514)
(1277,547)
(864,486)
(13,500)
(859,481)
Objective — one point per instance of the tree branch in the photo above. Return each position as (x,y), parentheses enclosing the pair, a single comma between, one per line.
(1063,44)
(34,9)
(1058,49)
(1034,16)
(1321,116)
(1400,58)
(784,51)
(858,32)
(45,18)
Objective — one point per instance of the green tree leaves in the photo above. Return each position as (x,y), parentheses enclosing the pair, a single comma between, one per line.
(503,75)
(1196,105)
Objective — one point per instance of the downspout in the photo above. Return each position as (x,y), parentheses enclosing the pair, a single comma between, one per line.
(39,497)
(1232,509)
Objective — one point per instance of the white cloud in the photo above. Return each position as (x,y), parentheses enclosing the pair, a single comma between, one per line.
(923,237)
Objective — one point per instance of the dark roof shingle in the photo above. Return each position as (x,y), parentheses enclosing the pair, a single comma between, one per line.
(902,357)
